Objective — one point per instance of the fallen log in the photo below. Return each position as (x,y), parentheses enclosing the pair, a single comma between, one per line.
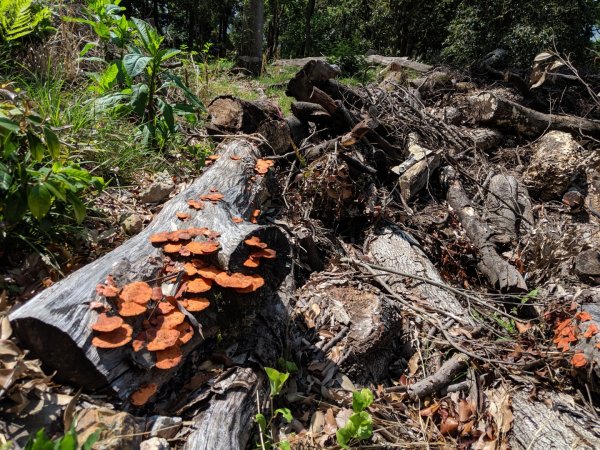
(489,108)
(401,61)
(552,421)
(496,269)
(509,208)
(225,417)
(230,114)
(56,324)
(310,112)
(393,248)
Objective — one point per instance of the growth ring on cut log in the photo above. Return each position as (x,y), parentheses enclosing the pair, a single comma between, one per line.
(56,324)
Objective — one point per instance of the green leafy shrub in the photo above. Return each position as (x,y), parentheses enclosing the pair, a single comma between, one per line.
(41,441)
(35,172)
(359,424)
(138,82)
(348,59)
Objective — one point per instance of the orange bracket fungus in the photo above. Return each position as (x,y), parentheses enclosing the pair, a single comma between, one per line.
(161,339)
(143,394)
(255,241)
(106,323)
(137,292)
(113,339)
(168,358)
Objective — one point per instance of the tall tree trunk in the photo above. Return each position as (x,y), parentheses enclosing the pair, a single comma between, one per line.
(252,46)
(190,27)
(273,29)
(155,15)
(310,10)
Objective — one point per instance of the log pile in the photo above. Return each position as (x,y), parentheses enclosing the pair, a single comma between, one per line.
(409,250)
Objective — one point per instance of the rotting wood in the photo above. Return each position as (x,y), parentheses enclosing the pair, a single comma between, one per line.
(496,269)
(491,109)
(55,325)
(552,421)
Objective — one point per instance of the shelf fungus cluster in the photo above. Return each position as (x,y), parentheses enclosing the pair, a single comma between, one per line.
(144,317)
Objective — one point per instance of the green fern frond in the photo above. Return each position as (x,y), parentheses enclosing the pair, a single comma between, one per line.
(18,20)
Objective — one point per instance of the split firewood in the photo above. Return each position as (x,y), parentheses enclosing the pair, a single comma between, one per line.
(509,208)
(497,270)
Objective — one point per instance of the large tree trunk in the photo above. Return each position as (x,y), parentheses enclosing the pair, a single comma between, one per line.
(55,324)
(310,10)
(252,47)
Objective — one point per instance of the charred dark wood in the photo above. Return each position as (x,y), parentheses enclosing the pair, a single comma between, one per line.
(56,324)
(496,269)
(492,109)
(298,129)
(310,112)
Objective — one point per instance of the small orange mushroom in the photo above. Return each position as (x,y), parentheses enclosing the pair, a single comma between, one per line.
(172,248)
(160,238)
(195,304)
(165,307)
(168,358)
(109,289)
(252,262)
(182,216)
(255,241)
(186,332)
(237,220)
(235,280)
(213,157)
(137,292)
(130,309)
(114,339)
(161,339)
(143,394)
(199,285)
(257,283)
(202,248)
(266,253)
(263,165)
(106,323)
(196,204)
(234,158)
(214,197)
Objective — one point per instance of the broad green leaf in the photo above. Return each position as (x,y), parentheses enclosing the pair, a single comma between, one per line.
(284,445)
(168,54)
(39,442)
(39,200)
(36,147)
(90,441)
(101,30)
(285,412)
(68,442)
(5,177)
(276,380)
(135,63)
(79,210)
(361,400)
(9,125)
(57,190)
(167,114)
(86,48)
(363,423)
(261,420)
(345,434)
(192,98)
(151,40)
(139,98)
(52,142)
